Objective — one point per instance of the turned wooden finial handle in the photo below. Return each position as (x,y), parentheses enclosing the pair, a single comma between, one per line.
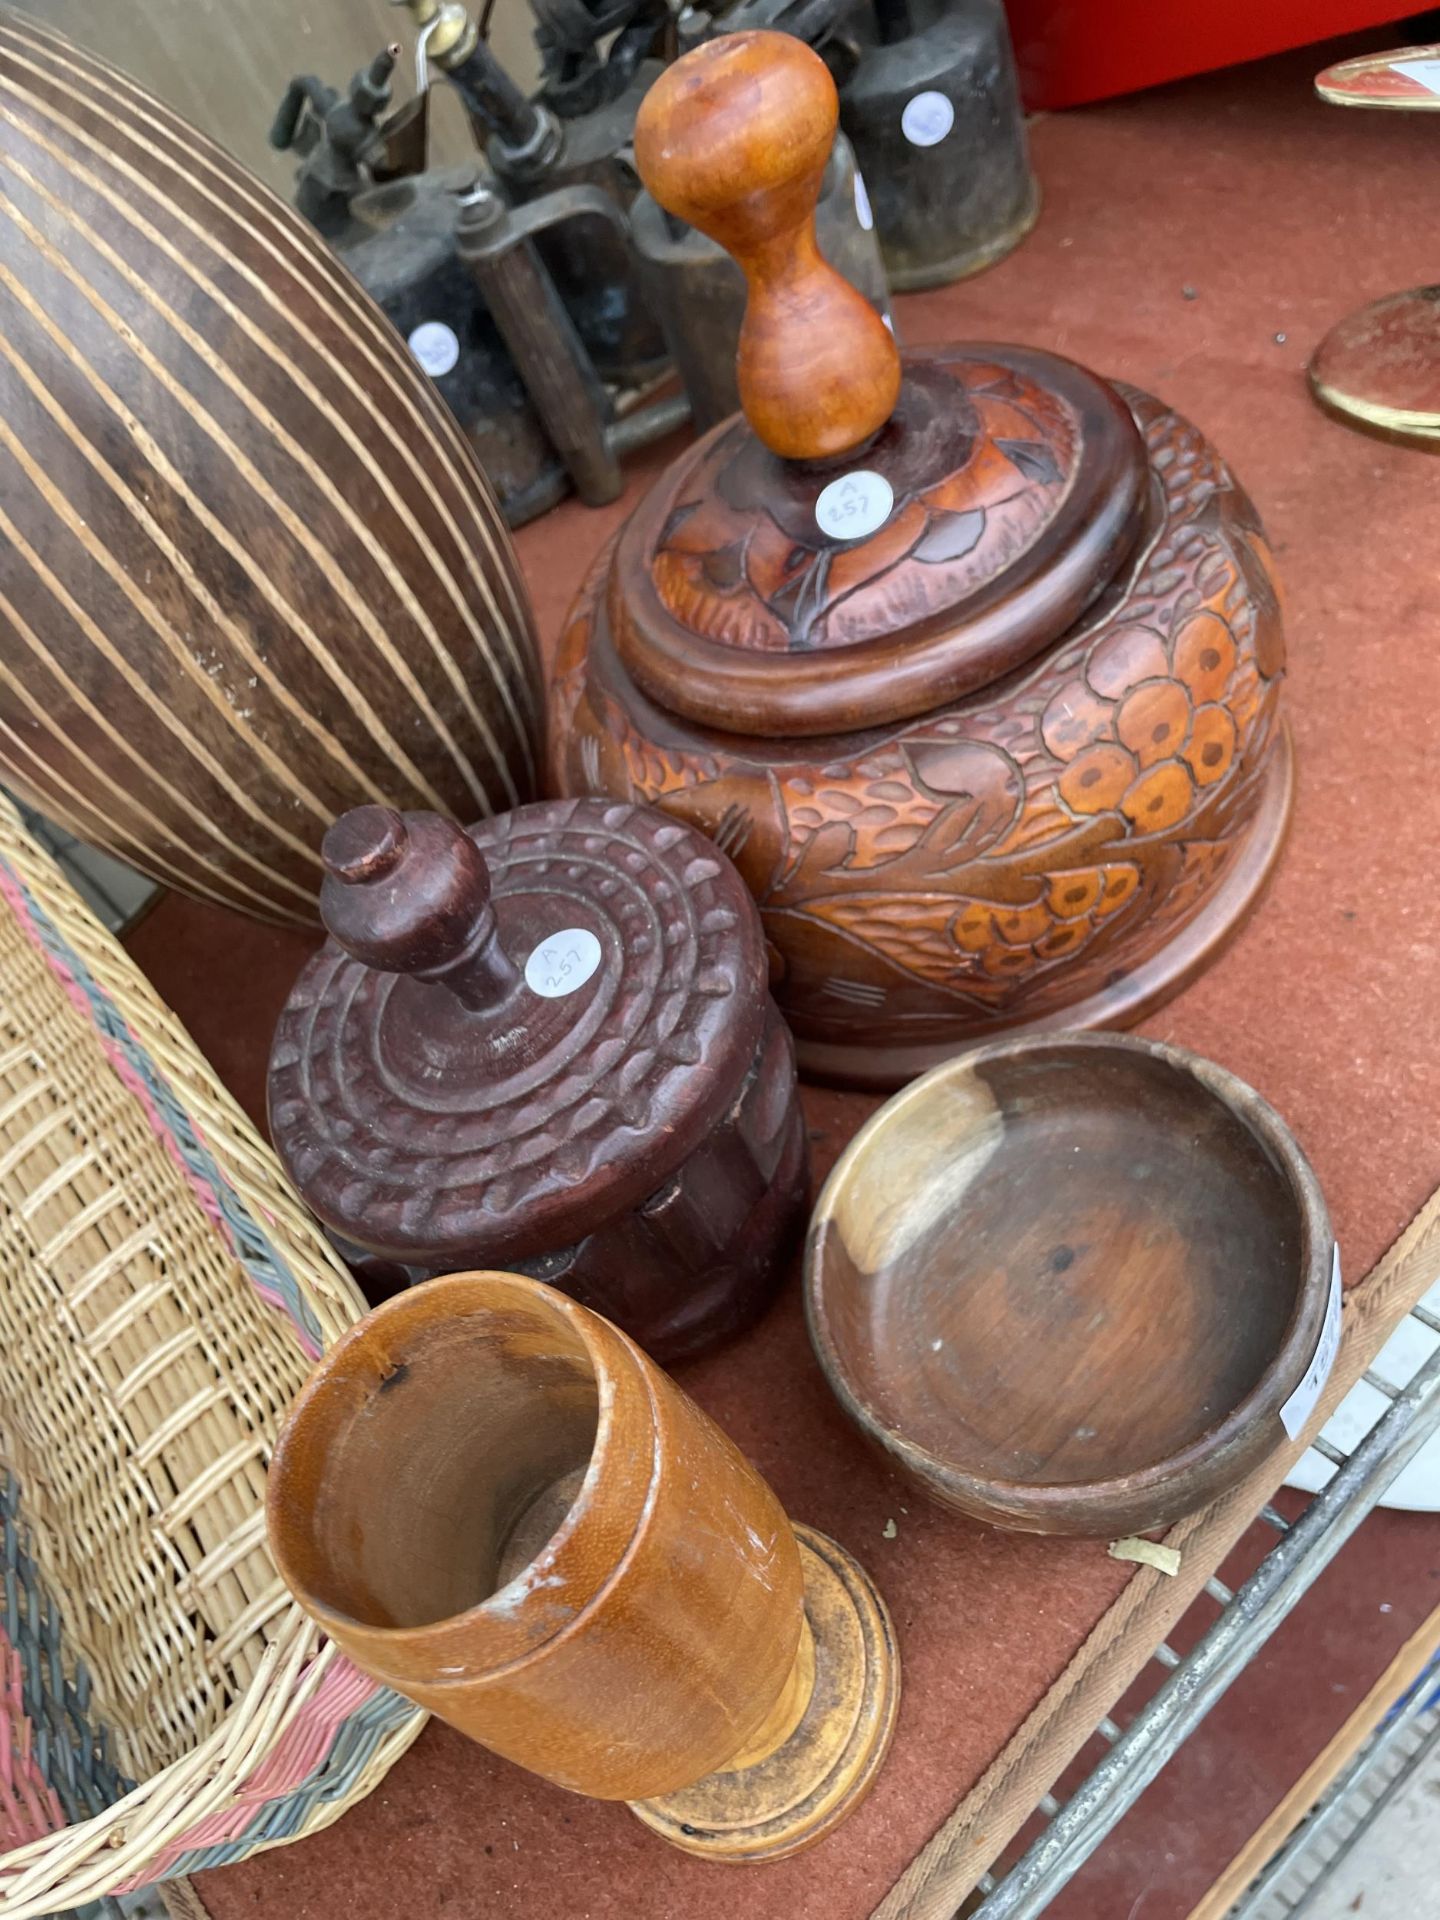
(410,893)
(734,138)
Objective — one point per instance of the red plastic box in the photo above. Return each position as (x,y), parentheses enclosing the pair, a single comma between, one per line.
(1071,51)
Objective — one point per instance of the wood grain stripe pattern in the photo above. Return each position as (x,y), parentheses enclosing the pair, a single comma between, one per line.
(250,573)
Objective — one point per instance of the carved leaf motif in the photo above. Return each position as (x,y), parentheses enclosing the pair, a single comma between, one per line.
(1044,833)
(967,769)
(1033,458)
(858,993)
(908,930)
(724,569)
(950,536)
(735,827)
(959,833)
(802,599)
(675,520)
(990,378)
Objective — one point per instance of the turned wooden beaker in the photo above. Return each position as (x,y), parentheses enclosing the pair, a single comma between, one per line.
(495,1503)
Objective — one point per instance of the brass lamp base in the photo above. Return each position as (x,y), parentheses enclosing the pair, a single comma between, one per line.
(1380,368)
(795,1795)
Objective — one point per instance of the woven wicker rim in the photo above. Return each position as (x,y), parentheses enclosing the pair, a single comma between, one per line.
(214,1802)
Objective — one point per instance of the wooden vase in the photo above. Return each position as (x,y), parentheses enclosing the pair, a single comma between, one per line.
(254,575)
(496,1504)
(972,662)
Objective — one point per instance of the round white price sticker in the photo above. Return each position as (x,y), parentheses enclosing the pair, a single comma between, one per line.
(854,505)
(862,204)
(562,963)
(435,346)
(927,118)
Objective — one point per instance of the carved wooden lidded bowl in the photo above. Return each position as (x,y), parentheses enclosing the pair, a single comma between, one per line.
(972,663)
(252,574)
(1077,1284)
(546,1044)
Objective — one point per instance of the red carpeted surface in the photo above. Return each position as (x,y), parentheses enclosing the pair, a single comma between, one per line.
(1197,240)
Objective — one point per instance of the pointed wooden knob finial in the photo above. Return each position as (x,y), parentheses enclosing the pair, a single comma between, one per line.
(734,138)
(410,893)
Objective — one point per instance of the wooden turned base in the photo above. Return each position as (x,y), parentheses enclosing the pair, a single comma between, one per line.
(1380,368)
(1123,1001)
(821,1773)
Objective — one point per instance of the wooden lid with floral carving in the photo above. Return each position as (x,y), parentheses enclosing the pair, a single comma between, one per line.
(1014,482)
(871,538)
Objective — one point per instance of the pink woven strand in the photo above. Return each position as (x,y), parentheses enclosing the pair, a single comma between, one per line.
(305,1746)
(20,907)
(29,1808)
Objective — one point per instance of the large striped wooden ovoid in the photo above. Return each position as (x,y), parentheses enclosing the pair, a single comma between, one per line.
(250,573)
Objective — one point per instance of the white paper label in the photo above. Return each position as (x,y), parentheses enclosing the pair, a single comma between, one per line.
(862,204)
(1427,72)
(927,118)
(854,505)
(435,346)
(562,963)
(1301,1404)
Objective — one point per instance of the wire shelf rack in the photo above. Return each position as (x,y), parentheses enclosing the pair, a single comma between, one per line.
(1383,1767)
(1185,1689)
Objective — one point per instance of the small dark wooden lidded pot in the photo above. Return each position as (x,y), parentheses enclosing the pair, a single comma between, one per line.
(493,1502)
(971,660)
(546,1043)
(1067,1285)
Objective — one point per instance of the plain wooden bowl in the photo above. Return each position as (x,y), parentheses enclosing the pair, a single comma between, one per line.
(1068,1283)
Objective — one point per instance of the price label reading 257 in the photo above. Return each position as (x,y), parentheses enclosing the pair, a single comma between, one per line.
(854,505)
(562,963)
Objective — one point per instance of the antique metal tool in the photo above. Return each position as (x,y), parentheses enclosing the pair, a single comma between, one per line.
(339,139)
(932,108)
(541,289)
(531,151)
(504,287)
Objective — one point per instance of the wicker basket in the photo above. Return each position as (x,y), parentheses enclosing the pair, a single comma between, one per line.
(164,1705)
